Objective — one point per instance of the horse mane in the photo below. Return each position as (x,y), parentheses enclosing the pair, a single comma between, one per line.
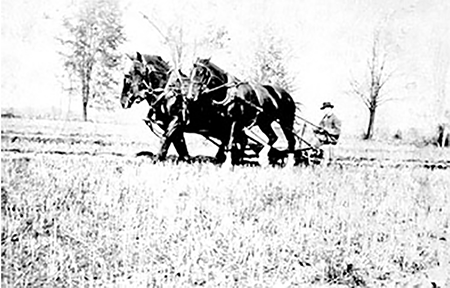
(159,64)
(217,70)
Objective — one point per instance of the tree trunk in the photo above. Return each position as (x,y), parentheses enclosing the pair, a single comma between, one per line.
(85,117)
(85,96)
(369,133)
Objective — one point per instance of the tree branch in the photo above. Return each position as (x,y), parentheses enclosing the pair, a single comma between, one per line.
(167,39)
(386,79)
(175,48)
(356,90)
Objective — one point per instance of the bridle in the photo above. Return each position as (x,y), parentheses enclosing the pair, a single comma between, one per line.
(140,88)
(144,75)
(209,76)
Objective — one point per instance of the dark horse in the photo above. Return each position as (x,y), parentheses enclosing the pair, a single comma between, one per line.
(150,78)
(245,104)
(147,79)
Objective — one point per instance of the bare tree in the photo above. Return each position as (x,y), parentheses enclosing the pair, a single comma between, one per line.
(370,87)
(173,36)
(90,50)
(177,37)
(441,65)
(271,60)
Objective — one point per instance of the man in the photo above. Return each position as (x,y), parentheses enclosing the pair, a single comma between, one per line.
(329,128)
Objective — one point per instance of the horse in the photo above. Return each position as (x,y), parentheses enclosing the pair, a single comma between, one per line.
(150,78)
(247,104)
(147,79)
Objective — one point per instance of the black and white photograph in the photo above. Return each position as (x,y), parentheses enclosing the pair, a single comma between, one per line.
(225,143)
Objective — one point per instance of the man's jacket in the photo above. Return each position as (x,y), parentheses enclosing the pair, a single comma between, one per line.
(332,125)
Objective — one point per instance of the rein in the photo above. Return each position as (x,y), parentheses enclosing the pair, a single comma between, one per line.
(211,76)
(226,85)
(306,121)
(205,90)
(161,96)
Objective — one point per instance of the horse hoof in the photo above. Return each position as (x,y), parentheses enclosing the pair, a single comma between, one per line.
(160,158)
(220,158)
(185,159)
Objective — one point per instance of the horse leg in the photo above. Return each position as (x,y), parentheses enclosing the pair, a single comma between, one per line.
(267,129)
(180,145)
(220,155)
(173,132)
(165,144)
(229,161)
(288,130)
(240,143)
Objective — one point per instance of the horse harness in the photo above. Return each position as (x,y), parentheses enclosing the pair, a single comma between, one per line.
(231,93)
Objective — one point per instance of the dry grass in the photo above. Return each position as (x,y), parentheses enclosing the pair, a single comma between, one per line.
(71,221)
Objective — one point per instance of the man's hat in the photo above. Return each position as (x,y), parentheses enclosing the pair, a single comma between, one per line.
(326,105)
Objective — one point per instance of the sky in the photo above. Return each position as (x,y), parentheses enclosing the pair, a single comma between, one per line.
(330,40)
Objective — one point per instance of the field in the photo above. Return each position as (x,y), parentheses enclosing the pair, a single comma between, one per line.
(79,209)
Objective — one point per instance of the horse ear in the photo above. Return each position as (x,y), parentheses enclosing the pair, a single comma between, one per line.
(139,57)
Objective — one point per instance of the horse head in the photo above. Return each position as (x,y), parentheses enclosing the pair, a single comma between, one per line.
(205,75)
(135,82)
(146,73)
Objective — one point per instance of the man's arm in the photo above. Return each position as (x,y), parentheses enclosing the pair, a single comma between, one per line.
(335,129)
(320,127)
